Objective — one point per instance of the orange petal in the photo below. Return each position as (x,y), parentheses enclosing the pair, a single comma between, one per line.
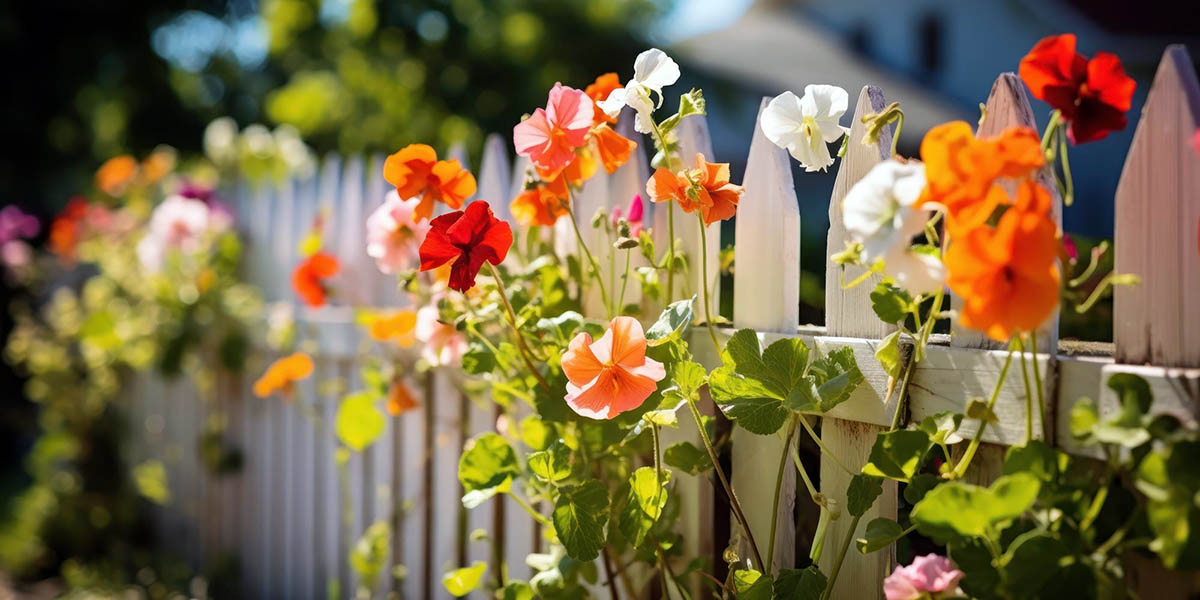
(579,363)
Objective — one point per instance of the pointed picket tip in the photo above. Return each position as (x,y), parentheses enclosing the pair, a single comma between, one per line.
(848,312)
(1157,223)
(1008,106)
(766,286)
(495,176)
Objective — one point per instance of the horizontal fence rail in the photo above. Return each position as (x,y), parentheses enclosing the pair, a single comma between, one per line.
(289,517)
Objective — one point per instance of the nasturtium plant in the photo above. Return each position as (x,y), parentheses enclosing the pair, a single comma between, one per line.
(487,467)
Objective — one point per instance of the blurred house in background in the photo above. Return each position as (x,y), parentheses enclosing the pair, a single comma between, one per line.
(938,59)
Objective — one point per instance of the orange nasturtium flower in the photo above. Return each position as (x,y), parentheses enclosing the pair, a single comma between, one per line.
(308,279)
(400,399)
(416,172)
(538,205)
(705,187)
(612,148)
(962,172)
(1008,275)
(599,90)
(396,327)
(114,176)
(282,374)
(611,375)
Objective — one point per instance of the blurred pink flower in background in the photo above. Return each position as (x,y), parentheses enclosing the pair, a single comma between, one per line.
(634,213)
(929,576)
(181,224)
(392,236)
(444,346)
(16,224)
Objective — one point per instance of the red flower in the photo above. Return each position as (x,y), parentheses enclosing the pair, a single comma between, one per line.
(308,278)
(1092,95)
(469,238)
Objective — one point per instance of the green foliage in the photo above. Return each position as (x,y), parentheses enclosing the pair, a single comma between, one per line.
(487,467)
(799,584)
(359,422)
(671,322)
(749,584)
(880,534)
(461,582)
(890,303)
(861,494)
(686,457)
(551,465)
(580,518)
(898,454)
(647,496)
(974,511)
(369,555)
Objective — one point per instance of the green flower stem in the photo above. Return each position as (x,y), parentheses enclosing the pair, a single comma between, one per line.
(908,371)
(670,253)
(1028,395)
(812,489)
(1051,127)
(841,557)
(708,321)
(512,322)
(537,516)
(1069,196)
(1037,382)
(624,281)
(608,572)
(896,134)
(733,501)
(961,469)
(768,567)
(591,260)
(824,448)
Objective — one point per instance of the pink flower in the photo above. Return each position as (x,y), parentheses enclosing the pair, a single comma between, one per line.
(15,224)
(550,137)
(16,254)
(613,374)
(443,344)
(633,215)
(1196,141)
(392,236)
(930,574)
(177,224)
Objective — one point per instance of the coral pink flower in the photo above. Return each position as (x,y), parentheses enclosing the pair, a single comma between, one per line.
(929,576)
(549,137)
(444,345)
(392,234)
(611,375)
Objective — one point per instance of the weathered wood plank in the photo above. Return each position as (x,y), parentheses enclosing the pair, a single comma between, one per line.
(1156,221)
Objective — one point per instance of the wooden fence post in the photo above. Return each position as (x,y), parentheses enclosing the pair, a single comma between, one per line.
(766,298)
(1008,106)
(849,313)
(1156,227)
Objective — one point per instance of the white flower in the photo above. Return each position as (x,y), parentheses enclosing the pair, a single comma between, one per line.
(804,126)
(878,212)
(652,71)
(178,223)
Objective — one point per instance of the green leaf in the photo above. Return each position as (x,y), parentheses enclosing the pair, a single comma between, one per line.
(799,584)
(478,359)
(686,457)
(518,590)
(880,534)
(897,454)
(942,427)
(646,501)
(461,582)
(487,467)
(1036,458)
(150,478)
(1036,556)
(890,303)
(1134,395)
(751,386)
(580,517)
(975,511)
(749,584)
(552,464)
(674,319)
(1169,479)
(691,103)
(1083,418)
(536,434)
(832,378)
(563,326)
(862,492)
(977,408)
(888,354)
(689,376)
(359,421)
(920,484)
(369,554)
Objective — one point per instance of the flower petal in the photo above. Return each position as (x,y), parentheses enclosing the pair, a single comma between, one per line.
(655,70)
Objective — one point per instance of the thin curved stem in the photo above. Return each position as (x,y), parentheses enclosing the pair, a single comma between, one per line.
(733,501)
(1028,396)
(708,321)
(624,282)
(768,567)
(1037,381)
(537,516)
(961,469)
(896,133)
(670,253)
(824,448)
(591,259)
(1068,180)
(841,557)
(512,322)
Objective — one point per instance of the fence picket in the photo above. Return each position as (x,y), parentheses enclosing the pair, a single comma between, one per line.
(1008,106)
(693,139)
(850,313)
(766,298)
(1158,321)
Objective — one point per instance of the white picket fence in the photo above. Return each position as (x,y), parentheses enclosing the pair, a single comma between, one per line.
(280,514)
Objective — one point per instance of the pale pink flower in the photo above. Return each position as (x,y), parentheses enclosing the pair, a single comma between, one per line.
(444,346)
(392,236)
(177,224)
(929,576)
(16,254)
(550,137)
